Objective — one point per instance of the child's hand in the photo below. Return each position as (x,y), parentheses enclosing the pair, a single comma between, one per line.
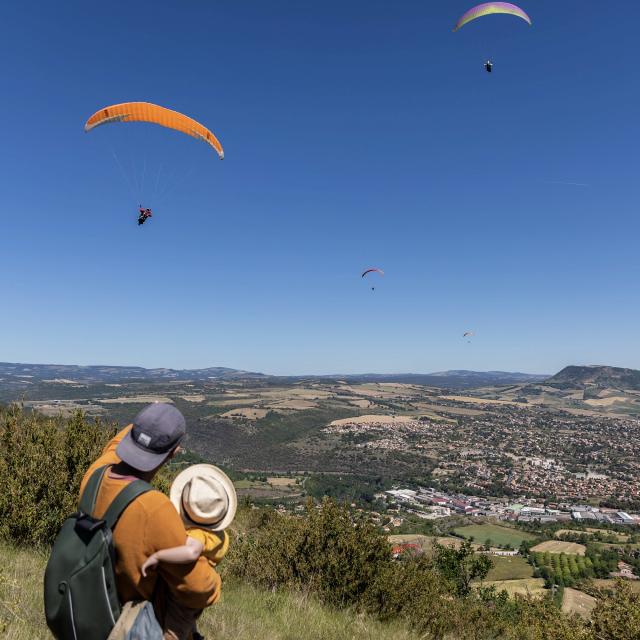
(151,563)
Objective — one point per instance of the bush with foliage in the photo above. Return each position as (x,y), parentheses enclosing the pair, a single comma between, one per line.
(42,461)
(325,552)
(347,563)
(617,617)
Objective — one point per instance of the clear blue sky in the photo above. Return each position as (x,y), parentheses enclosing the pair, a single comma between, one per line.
(356,134)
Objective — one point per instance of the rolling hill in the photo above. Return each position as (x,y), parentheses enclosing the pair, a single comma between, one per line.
(19,374)
(596,376)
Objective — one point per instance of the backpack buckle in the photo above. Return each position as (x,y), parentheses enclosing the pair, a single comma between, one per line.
(88,524)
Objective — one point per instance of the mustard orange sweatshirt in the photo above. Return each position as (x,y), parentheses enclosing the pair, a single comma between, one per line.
(150,523)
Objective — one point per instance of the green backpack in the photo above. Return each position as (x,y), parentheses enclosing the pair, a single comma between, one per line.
(80,597)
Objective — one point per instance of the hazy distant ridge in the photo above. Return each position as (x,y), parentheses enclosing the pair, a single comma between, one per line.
(16,372)
(99,373)
(451,379)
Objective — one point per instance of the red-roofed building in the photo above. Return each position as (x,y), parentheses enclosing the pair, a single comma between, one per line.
(406,547)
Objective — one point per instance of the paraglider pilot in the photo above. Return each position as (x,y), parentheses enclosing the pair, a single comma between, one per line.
(143,215)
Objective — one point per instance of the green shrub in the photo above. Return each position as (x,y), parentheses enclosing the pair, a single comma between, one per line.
(325,553)
(460,566)
(330,554)
(42,461)
(413,591)
(617,616)
(540,619)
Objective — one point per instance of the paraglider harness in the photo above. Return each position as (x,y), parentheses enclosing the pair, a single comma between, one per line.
(144,215)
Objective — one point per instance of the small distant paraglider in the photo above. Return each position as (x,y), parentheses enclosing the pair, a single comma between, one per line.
(372,270)
(468,334)
(143,215)
(489,8)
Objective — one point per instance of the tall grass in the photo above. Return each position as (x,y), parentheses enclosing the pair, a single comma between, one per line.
(243,613)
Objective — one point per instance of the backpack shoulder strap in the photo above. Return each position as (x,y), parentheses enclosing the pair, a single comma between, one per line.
(90,493)
(124,499)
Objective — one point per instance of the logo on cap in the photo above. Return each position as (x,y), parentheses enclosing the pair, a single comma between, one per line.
(144,439)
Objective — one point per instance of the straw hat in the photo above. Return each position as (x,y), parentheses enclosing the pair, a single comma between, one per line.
(205,497)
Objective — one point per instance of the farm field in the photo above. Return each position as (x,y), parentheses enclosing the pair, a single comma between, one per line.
(426,542)
(281,482)
(621,537)
(246,412)
(497,534)
(516,568)
(274,489)
(527,586)
(575,601)
(569,532)
(610,584)
(409,538)
(557,546)
(617,545)
(142,399)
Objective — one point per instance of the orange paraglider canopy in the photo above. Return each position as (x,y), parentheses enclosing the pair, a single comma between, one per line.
(147,112)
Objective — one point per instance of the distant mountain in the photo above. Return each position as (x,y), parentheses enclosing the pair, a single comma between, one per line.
(495,377)
(598,376)
(44,372)
(459,379)
(17,374)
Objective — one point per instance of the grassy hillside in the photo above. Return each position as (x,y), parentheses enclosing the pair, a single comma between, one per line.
(352,586)
(244,612)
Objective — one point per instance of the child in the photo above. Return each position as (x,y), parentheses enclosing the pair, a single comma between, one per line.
(206,499)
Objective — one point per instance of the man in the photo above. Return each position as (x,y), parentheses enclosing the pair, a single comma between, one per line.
(143,215)
(150,523)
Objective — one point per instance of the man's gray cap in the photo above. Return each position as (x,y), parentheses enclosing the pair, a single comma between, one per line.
(156,432)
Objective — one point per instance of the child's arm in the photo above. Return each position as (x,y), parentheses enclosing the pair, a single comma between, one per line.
(187,553)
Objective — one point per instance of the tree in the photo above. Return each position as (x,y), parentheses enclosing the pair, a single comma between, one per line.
(617,617)
(461,566)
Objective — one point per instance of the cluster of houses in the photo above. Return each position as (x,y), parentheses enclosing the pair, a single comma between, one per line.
(431,504)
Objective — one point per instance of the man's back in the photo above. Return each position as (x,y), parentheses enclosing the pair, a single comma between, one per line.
(149,524)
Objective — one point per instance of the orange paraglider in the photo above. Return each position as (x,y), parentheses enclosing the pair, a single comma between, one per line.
(148,112)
